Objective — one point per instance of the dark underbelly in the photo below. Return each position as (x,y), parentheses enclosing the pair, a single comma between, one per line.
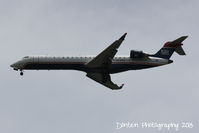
(115,68)
(54,66)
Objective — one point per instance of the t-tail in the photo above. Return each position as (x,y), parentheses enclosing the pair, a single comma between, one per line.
(169,47)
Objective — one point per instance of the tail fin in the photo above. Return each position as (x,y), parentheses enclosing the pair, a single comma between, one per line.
(169,47)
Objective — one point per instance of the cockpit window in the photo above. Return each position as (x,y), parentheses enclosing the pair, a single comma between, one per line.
(26,57)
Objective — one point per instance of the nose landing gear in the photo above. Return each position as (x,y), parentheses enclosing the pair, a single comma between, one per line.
(21,73)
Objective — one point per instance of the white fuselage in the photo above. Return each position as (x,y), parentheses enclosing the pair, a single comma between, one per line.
(119,64)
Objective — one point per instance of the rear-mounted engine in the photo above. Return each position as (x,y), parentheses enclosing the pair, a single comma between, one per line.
(136,54)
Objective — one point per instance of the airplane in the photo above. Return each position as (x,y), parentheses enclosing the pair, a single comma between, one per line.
(99,67)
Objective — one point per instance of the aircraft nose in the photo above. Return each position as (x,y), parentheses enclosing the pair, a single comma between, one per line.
(12,65)
(170,61)
(15,66)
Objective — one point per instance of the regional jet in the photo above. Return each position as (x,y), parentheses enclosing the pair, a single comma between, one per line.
(99,67)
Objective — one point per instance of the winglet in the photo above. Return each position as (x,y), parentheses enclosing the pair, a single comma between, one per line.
(121,86)
(123,37)
(117,87)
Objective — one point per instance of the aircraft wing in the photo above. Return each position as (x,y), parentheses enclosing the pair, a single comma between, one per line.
(104,59)
(104,79)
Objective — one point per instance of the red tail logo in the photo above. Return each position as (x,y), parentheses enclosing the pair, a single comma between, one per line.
(172,45)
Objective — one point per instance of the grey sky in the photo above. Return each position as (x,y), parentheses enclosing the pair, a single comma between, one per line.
(67,101)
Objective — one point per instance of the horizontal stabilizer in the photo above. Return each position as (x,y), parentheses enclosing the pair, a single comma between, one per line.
(179,40)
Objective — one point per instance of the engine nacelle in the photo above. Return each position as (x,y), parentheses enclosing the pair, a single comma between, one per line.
(136,54)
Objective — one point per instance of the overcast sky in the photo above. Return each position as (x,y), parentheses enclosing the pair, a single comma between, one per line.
(69,102)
